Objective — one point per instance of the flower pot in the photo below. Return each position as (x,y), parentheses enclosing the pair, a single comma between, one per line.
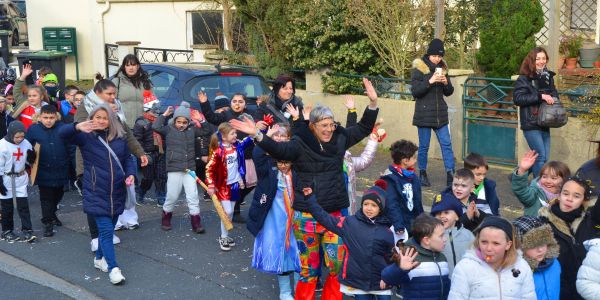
(597,64)
(571,63)
(587,56)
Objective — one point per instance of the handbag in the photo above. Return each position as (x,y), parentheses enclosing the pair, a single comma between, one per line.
(552,115)
(130,199)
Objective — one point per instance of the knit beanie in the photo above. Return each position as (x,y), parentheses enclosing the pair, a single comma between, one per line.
(376,193)
(221,101)
(50,78)
(446,201)
(149,100)
(182,111)
(14,127)
(497,222)
(532,232)
(436,47)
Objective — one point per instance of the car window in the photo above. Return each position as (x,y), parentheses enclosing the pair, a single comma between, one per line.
(161,82)
(251,86)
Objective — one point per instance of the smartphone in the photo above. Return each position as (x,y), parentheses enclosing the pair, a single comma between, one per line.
(438,71)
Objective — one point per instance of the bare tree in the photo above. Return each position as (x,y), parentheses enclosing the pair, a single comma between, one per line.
(398,29)
(227,7)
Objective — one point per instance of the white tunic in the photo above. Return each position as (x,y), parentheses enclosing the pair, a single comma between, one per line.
(11,154)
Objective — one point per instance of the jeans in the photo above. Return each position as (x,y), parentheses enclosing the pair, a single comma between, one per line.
(106,248)
(49,199)
(372,297)
(8,211)
(538,140)
(443,136)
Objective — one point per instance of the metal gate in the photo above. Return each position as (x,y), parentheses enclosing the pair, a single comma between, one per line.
(490,120)
(112,59)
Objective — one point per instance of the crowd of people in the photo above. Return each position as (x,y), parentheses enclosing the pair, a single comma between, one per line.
(115,142)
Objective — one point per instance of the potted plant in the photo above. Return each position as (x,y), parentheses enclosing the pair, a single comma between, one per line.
(569,46)
(588,54)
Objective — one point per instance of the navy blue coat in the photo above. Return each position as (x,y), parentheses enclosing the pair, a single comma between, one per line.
(399,191)
(368,245)
(489,186)
(53,168)
(104,191)
(265,191)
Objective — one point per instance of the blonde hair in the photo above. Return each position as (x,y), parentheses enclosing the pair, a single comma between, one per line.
(223,129)
(511,255)
(115,128)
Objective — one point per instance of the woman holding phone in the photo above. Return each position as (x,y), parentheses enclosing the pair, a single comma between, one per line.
(429,84)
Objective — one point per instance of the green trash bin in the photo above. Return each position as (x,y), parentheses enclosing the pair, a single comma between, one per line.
(53,59)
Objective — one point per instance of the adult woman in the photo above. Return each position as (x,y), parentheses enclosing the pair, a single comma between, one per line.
(534,86)
(108,168)
(317,151)
(131,81)
(283,93)
(590,170)
(429,84)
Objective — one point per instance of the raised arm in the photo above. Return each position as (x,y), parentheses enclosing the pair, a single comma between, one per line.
(282,151)
(333,224)
(159,124)
(211,116)
(366,157)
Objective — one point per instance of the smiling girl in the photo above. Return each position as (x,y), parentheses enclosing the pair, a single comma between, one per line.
(543,189)
(572,219)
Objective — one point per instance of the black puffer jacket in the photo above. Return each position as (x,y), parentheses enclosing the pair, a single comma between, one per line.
(319,165)
(225,116)
(277,108)
(430,108)
(142,130)
(528,96)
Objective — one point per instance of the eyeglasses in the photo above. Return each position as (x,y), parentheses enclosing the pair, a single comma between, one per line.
(284,162)
(332,125)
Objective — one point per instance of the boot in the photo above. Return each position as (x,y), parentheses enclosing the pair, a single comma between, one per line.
(423,178)
(48,230)
(305,290)
(285,288)
(196,224)
(449,177)
(331,289)
(166,220)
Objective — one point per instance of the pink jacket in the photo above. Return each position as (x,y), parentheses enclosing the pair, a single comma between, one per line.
(357,164)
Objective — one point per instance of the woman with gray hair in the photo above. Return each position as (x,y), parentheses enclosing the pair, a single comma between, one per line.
(317,151)
(108,168)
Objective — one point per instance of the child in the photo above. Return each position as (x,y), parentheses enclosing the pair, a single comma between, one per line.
(42,72)
(421,269)
(153,146)
(588,276)
(15,152)
(485,188)
(225,171)
(367,239)
(493,269)
(404,192)
(68,106)
(53,165)
(573,219)
(540,251)
(50,83)
(463,184)
(5,117)
(448,209)
(25,110)
(542,190)
(108,170)
(179,144)
(271,216)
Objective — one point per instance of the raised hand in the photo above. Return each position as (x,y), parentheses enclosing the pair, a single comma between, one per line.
(27,70)
(169,111)
(86,126)
(371,92)
(202,97)
(349,102)
(472,210)
(407,259)
(272,130)
(293,111)
(527,161)
(306,112)
(246,126)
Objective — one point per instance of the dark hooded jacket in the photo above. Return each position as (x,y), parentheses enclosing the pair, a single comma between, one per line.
(527,95)
(430,108)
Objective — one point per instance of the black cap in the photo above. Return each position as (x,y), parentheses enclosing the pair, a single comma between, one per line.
(496,222)
(436,47)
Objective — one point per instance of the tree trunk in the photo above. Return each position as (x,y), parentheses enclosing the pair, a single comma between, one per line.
(440,29)
(227,24)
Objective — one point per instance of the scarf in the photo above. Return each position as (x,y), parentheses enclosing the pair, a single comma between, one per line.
(91,100)
(285,182)
(478,188)
(549,196)
(408,173)
(155,135)
(568,217)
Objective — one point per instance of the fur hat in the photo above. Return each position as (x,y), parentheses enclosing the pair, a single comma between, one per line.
(446,201)
(436,47)
(376,193)
(182,111)
(532,232)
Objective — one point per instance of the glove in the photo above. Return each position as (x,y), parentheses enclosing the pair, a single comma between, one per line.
(3,190)
(31,155)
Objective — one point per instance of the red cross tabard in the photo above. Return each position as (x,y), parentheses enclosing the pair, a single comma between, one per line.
(18,154)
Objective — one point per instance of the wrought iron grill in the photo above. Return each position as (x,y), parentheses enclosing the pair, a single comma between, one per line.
(153,55)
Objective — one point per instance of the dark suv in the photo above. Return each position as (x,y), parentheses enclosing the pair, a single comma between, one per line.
(174,82)
(14,19)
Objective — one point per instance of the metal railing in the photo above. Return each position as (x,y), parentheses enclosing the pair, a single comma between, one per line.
(111,55)
(154,55)
(391,87)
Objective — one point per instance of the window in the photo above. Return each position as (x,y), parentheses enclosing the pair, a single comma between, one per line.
(207,28)
(161,82)
(251,86)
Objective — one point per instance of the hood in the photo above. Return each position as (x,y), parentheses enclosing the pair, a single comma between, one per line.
(422,251)
(539,236)
(427,67)
(381,219)
(13,128)
(91,100)
(561,225)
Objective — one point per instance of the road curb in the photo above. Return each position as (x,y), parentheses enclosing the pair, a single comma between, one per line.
(21,269)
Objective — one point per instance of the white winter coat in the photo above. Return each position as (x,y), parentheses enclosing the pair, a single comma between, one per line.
(588,276)
(473,278)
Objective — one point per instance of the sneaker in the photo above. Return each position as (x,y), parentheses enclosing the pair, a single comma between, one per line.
(94,244)
(230,241)
(224,244)
(48,230)
(28,236)
(134,226)
(101,264)
(9,236)
(116,239)
(119,227)
(115,276)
